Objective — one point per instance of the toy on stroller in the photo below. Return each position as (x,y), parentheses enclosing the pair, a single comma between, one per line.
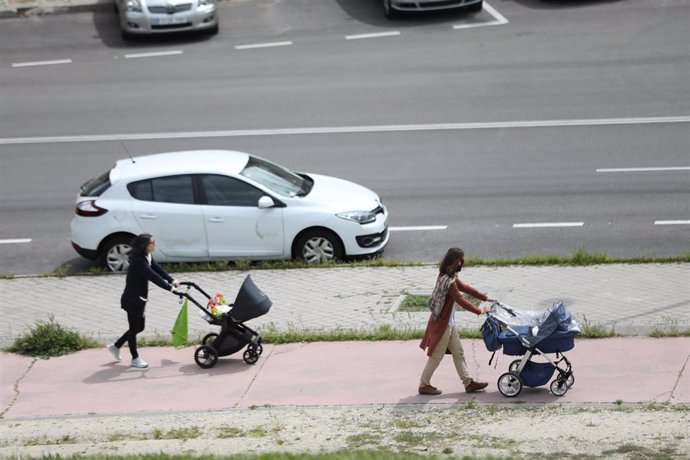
(234,334)
(529,334)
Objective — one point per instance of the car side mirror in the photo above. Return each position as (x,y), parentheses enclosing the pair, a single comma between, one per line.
(266,202)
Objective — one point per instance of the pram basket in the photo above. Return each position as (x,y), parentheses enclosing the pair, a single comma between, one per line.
(250,303)
(534,333)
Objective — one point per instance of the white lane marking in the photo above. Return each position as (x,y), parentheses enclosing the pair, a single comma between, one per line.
(672,222)
(37,63)
(262,45)
(16,241)
(654,169)
(372,35)
(499,19)
(346,129)
(549,224)
(420,228)
(153,54)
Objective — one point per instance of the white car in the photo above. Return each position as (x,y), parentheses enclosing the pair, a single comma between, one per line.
(209,205)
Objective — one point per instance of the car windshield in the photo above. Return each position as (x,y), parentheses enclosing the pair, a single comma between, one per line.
(276,178)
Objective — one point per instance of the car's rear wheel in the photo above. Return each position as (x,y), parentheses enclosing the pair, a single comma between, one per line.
(115,253)
(318,245)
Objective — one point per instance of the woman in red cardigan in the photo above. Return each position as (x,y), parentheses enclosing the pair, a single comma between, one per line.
(441,336)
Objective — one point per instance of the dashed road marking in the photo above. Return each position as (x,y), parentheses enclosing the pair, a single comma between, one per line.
(549,224)
(39,63)
(372,35)
(672,222)
(16,241)
(652,169)
(419,228)
(262,45)
(153,54)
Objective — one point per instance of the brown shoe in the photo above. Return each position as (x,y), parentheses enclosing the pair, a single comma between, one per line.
(475,386)
(429,390)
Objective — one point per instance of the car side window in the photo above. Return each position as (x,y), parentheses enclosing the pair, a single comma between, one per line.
(228,191)
(172,189)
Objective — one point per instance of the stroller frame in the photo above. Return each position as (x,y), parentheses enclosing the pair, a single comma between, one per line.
(233,335)
(510,383)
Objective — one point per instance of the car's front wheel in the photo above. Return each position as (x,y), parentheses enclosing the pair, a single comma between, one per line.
(317,246)
(115,253)
(388,10)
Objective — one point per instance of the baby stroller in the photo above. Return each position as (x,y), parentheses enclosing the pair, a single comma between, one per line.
(529,334)
(234,334)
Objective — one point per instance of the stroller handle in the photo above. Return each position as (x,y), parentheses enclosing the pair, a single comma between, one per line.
(190,285)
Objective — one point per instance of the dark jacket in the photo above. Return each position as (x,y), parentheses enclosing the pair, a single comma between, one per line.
(137,284)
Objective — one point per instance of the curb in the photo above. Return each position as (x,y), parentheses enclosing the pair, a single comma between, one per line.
(24,9)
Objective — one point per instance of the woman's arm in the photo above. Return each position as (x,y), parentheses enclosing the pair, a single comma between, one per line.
(454,292)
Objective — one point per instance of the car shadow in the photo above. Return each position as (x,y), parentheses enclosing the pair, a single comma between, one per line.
(560,4)
(107,26)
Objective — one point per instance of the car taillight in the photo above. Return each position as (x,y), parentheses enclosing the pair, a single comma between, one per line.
(89,208)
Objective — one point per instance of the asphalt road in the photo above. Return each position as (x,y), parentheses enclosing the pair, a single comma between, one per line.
(479,124)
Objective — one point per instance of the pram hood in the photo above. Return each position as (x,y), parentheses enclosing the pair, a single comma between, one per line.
(533,326)
(250,303)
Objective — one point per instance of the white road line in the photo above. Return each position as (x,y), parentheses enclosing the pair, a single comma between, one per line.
(262,45)
(37,63)
(153,54)
(347,129)
(420,228)
(372,35)
(654,169)
(672,222)
(549,224)
(16,241)
(499,19)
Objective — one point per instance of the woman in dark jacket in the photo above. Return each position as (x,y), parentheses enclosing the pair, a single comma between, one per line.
(441,335)
(142,269)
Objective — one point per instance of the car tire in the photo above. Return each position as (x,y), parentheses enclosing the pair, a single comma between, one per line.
(476,8)
(114,254)
(388,11)
(126,36)
(317,246)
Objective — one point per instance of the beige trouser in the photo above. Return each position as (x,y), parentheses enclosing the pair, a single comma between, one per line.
(450,341)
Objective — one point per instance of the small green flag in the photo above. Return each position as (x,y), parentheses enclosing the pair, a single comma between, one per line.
(180,329)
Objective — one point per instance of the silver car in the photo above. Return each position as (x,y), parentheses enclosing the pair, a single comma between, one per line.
(145,17)
(393,8)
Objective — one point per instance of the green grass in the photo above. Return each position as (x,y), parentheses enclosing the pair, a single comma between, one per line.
(49,338)
(339,455)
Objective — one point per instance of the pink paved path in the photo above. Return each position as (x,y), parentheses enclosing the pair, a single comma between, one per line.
(632,370)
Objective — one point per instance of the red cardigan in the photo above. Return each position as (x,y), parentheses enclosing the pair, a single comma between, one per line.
(435,329)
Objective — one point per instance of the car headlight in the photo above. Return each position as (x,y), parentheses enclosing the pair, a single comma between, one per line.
(361,217)
(133,5)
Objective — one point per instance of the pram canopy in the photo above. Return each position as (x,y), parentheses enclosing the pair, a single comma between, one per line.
(250,303)
(533,326)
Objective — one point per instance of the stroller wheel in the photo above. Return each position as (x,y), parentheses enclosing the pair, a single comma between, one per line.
(250,356)
(209,338)
(509,385)
(570,381)
(206,356)
(514,365)
(259,349)
(559,387)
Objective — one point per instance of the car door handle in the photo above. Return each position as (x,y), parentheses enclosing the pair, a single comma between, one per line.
(216,219)
(149,216)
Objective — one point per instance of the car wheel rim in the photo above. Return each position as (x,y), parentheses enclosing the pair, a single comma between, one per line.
(318,250)
(118,258)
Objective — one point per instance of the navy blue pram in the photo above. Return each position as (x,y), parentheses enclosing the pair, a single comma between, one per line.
(529,334)
(250,303)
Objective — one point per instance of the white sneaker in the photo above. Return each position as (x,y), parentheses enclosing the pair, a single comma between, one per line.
(114,351)
(138,362)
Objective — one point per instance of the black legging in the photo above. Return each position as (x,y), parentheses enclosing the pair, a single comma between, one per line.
(137,322)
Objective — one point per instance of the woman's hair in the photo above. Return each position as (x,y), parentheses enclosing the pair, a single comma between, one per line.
(139,244)
(449,261)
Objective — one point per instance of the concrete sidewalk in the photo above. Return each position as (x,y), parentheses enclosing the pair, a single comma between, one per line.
(21,8)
